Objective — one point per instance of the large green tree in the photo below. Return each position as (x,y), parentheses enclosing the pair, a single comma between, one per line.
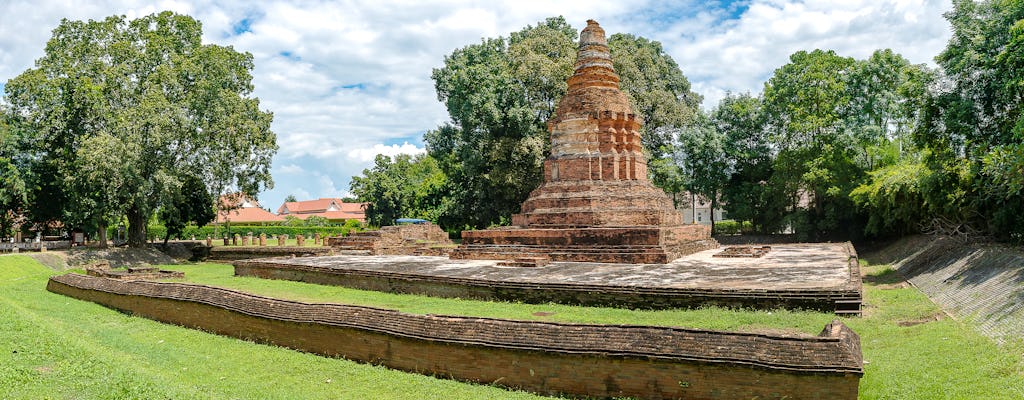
(805,102)
(656,88)
(703,159)
(499,95)
(747,195)
(972,123)
(12,186)
(403,186)
(139,105)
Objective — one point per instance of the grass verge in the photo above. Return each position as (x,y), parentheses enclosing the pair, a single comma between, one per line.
(56,347)
(53,346)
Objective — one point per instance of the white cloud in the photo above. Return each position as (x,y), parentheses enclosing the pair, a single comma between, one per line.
(368,154)
(290,169)
(342,78)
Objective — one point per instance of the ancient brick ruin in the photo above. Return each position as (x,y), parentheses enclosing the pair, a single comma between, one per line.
(596,203)
(412,239)
(543,357)
(102,269)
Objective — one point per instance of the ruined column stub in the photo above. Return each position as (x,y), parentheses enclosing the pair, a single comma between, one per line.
(595,194)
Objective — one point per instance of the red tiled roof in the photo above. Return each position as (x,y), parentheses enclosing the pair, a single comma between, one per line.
(251,214)
(333,215)
(232,200)
(307,206)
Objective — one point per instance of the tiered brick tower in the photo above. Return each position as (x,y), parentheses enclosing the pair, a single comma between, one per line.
(596,203)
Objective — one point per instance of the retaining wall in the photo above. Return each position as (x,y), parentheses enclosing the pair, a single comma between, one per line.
(981,283)
(547,358)
(231,253)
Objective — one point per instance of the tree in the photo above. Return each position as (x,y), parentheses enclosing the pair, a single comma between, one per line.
(804,102)
(12,186)
(290,199)
(656,88)
(747,195)
(148,102)
(704,159)
(191,203)
(885,94)
(405,186)
(972,122)
(499,95)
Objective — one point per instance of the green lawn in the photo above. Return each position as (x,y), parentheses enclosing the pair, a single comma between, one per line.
(52,346)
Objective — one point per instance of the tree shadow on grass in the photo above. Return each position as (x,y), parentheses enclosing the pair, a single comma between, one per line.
(888,276)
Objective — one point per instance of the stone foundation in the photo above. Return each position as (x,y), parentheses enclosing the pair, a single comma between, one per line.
(412,239)
(547,358)
(231,253)
(823,277)
(628,245)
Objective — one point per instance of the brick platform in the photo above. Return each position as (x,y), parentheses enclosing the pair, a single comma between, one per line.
(822,276)
(548,358)
(231,253)
(412,239)
(596,203)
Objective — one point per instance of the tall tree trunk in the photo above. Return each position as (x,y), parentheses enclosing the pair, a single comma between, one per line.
(714,203)
(693,206)
(102,233)
(136,227)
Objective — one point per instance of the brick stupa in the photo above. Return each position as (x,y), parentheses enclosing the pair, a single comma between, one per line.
(596,203)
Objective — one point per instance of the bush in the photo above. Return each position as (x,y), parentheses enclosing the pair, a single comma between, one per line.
(157,232)
(732,227)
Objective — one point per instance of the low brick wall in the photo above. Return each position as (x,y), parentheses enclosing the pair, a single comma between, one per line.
(232,253)
(547,358)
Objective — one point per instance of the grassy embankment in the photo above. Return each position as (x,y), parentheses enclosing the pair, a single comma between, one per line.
(57,347)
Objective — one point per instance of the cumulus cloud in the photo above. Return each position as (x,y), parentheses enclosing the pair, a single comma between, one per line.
(343,78)
(368,154)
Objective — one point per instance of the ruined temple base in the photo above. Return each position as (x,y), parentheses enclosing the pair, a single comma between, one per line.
(621,245)
(820,276)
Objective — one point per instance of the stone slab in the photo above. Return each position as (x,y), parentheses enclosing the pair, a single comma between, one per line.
(812,276)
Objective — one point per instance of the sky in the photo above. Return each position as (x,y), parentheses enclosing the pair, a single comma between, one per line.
(347,80)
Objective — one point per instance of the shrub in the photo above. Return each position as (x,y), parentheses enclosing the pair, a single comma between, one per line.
(732,227)
(157,232)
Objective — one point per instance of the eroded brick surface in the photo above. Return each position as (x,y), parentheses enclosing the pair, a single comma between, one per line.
(816,276)
(412,239)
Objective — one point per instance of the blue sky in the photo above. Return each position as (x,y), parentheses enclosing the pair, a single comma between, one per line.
(347,80)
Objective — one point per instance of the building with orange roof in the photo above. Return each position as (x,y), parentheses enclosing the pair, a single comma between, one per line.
(333,209)
(243,210)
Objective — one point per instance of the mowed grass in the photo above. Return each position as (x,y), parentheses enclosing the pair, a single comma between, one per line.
(708,318)
(57,347)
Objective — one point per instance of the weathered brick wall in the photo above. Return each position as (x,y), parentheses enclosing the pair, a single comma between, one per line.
(230,253)
(411,239)
(549,358)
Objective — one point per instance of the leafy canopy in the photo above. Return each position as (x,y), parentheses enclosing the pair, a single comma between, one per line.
(120,112)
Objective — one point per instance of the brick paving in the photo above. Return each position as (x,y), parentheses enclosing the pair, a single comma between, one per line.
(785,267)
